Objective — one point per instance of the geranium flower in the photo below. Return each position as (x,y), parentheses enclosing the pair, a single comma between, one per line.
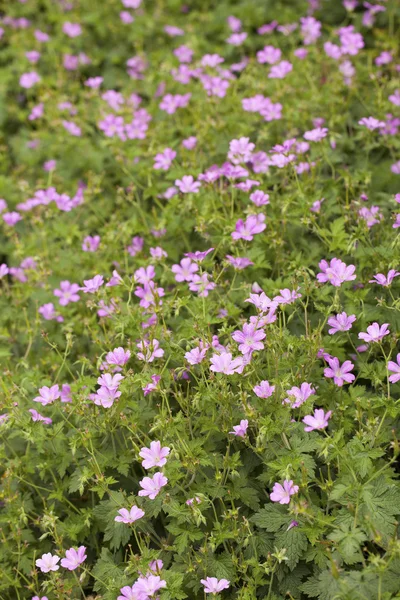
(48,562)
(129,516)
(155,456)
(281,493)
(151,486)
(340,373)
(212,585)
(74,558)
(317,421)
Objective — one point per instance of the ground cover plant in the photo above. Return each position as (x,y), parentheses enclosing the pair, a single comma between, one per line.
(199,337)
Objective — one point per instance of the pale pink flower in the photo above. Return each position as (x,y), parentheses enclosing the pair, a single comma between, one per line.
(240,430)
(36,416)
(155,456)
(129,516)
(264,389)
(118,357)
(150,387)
(287,296)
(384,280)
(246,230)
(336,272)
(151,486)
(375,332)
(223,363)
(48,395)
(48,562)
(201,285)
(317,421)
(212,585)
(74,558)
(340,322)
(281,493)
(187,185)
(164,159)
(149,350)
(146,587)
(298,395)
(249,339)
(394,367)
(90,286)
(196,356)
(339,373)
(185,270)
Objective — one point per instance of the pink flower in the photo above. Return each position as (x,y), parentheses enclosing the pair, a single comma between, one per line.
(316,135)
(190,142)
(395,98)
(66,393)
(280,70)
(199,256)
(239,262)
(105,396)
(340,322)
(150,387)
(164,159)
(395,368)
(149,295)
(149,350)
(91,243)
(297,396)
(246,230)
(48,395)
(240,150)
(259,198)
(38,417)
(237,39)
(128,593)
(74,558)
(211,60)
(48,562)
(196,356)
(249,339)
(116,279)
(336,272)
(187,185)
(185,270)
(318,421)
(147,587)
(371,123)
(264,389)
(145,275)
(223,363)
(287,296)
(310,30)
(72,128)
(201,285)
(240,430)
(151,486)
(339,373)
(375,332)
(48,312)
(90,286)
(212,585)
(269,55)
(384,280)
(155,456)
(281,493)
(28,80)
(118,357)
(129,516)
(72,30)
(11,218)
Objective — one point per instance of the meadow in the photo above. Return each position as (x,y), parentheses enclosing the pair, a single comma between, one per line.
(199,300)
